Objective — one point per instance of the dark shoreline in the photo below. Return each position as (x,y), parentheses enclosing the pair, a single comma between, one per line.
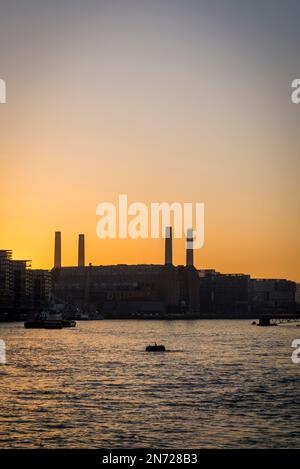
(185,317)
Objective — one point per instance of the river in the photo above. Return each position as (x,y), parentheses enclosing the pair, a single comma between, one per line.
(221,384)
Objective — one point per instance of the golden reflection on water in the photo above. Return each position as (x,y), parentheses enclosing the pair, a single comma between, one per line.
(221,384)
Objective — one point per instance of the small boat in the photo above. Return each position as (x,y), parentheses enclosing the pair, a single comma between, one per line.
(43,324)
(155,348)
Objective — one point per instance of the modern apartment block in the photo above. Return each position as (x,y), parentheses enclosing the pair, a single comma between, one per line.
(22,290)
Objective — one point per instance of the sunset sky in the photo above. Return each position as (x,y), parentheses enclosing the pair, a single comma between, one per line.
(176,101)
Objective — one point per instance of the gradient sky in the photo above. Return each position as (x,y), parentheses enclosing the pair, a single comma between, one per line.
(162,100)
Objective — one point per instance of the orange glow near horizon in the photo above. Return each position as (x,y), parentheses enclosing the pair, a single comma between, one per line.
(188,114)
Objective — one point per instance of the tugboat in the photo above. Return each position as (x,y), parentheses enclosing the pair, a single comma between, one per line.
(155,348)
(48,320)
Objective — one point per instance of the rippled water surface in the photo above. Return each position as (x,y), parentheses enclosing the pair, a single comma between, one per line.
(221,384)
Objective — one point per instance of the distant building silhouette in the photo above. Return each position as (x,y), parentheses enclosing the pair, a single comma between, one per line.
(22,290)
(224,294)
(151,288)
(6,281)
(272,295)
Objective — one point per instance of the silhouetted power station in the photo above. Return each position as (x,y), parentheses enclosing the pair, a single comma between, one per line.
(145,291)
(165,290)
(128,290)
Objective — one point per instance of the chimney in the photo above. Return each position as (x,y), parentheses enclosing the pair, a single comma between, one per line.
(57,250)
(189,247)
(168,246)
(81,250)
